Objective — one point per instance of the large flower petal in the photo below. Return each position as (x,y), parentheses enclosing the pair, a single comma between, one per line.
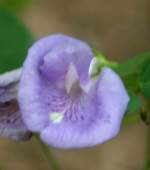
(45,66)
(68,50)
(98,116)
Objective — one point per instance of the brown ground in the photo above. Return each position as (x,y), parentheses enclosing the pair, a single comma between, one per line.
(119,29)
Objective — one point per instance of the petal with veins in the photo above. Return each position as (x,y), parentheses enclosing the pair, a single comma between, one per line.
(62,102)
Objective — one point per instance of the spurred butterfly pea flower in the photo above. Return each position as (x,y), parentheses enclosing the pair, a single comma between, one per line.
(61,100)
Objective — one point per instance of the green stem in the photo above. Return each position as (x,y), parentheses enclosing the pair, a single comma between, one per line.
(51,160)
(147,166)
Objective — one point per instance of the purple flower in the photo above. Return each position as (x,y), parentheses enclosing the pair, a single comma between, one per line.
(59,98)
(11,123)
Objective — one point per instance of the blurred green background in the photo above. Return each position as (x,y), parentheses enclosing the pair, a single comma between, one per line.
(120,29)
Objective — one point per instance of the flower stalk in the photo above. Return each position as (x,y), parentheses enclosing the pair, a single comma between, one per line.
(53,163)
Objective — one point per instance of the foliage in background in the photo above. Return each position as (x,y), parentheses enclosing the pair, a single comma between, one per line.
(145,80)
(16,6)
(136,75)
(15,39)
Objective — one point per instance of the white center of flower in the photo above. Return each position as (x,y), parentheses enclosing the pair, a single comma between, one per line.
(71,78)
(56,117)
(72,82)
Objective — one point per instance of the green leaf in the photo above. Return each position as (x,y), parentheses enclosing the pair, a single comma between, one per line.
(131,69)
(146,89)
(135,103)
(145,80)
(133,65)
(14,41)
(145,76)
(15,5)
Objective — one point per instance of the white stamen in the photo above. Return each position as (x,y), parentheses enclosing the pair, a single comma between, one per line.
(71,77)
(86,88)
(56,117)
